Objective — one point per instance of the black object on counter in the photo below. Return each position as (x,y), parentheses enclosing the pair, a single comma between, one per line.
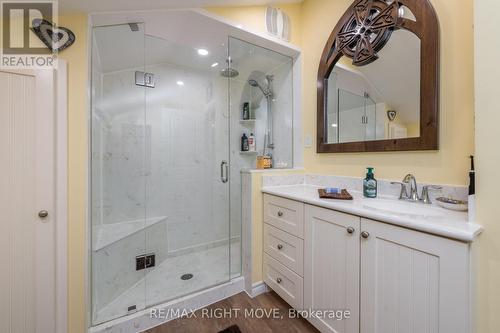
(472,177)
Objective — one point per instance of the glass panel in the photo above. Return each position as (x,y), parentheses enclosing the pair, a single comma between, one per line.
(370,119)
(265,82)
(119,138)
(269,101)
(188,143)
(351,117)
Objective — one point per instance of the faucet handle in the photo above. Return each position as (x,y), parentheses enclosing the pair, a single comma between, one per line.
(425,193)
(403,194)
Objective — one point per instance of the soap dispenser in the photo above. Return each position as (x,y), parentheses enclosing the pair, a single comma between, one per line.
(370,184)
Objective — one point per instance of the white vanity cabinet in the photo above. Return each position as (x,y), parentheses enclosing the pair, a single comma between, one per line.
(391,279)
(331,267)
(413,282)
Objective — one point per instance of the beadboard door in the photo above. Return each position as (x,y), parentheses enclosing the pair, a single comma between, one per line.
(331,267)
(27,189)
(412,282)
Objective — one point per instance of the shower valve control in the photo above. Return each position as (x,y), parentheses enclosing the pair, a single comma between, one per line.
(145,261)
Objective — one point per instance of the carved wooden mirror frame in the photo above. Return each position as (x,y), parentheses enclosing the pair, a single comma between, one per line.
(426,28)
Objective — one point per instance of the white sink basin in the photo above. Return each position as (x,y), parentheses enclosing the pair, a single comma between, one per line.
(404,208)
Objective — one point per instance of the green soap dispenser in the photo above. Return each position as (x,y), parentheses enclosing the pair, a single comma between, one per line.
(370,185)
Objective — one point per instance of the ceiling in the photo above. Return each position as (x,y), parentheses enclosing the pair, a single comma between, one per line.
(117,47)
(95,6)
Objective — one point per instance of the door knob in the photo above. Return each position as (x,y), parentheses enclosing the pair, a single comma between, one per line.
(279,246)
(365,234)
(278,280)
(43,214)
(350,230)
(280,213)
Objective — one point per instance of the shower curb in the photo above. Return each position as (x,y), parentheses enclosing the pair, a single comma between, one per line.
(143,320)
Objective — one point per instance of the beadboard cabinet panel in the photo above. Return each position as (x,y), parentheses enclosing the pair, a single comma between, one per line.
(412,282)
(331,267)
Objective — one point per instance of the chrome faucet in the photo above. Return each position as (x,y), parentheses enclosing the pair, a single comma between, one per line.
(411,181)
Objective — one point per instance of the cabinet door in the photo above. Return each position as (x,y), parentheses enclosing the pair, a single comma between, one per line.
(412,282)
(331,268)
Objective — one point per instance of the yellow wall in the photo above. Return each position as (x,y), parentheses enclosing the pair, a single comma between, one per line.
(253,17)
(76,56)
(449,164)
(312,22)
(487,163)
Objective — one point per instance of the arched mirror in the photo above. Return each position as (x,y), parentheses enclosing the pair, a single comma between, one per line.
(378,79)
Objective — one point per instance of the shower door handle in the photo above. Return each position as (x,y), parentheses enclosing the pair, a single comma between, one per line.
(224,171)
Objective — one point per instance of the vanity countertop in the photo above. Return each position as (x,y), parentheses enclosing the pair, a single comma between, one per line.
(417,216)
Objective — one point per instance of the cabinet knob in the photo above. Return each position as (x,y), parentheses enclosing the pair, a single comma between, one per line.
(350,230)
(279,246)
(280,213)
(43,214)
(365,234)
(278,280)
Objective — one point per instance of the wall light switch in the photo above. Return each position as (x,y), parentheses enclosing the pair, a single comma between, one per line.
(308,141)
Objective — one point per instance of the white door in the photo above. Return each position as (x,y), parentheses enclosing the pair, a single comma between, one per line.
(27,190)
(331,268)
(412,282)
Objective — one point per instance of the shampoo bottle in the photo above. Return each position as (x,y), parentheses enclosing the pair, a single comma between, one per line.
(251,143)
(370,185)
(244,142)
(246,111)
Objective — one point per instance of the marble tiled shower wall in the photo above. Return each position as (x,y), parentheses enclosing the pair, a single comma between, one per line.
(151,149)
(156,161)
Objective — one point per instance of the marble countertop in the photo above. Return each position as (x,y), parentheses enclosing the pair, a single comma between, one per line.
(417,216)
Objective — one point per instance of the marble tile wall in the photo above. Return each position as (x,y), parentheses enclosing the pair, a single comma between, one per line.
(159,159)
(157,152)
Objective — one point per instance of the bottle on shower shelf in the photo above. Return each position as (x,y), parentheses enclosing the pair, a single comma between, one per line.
(251,143)
(246,111)
(244,143)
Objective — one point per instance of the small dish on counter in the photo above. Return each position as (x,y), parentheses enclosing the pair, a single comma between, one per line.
(452,204)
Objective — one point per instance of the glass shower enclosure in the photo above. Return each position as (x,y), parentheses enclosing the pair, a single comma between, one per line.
(166,157)
(357,117)
(160,180)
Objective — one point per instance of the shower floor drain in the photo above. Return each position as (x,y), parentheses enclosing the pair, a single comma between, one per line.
(186,276)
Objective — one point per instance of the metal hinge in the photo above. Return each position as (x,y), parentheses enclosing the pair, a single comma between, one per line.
(143,79)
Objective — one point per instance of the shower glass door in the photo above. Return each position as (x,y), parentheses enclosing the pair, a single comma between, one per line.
(187,169)
(159,172)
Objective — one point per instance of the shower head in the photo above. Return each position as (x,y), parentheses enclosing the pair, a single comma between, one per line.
(267,92)
(253,83)
(228,71)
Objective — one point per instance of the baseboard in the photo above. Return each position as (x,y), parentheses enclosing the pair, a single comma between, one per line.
(259,288)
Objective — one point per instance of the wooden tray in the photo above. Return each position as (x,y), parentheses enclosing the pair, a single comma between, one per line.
(344,195)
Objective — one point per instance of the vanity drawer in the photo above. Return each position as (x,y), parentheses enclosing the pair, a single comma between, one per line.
(284,214)
(287,249)
(284,282)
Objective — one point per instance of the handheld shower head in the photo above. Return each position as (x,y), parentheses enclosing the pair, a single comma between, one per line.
(254,83)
